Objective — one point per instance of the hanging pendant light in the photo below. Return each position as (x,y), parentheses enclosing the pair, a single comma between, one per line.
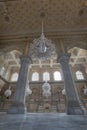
(28,90)
(85,90)
(46,94)
(42,43)
(43,48)
(8,92)
(46,86)
(46,89)
(64,92)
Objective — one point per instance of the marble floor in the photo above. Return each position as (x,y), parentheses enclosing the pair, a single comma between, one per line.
(40,121)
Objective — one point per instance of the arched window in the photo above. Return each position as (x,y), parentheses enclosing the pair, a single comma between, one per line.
(35,76)
(46,76)
(79,75)
(57,76)
(14,76)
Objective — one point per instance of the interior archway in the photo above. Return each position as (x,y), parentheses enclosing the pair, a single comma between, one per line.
(57,100)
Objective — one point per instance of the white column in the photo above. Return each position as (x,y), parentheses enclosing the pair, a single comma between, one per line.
(73,102)
(18,105)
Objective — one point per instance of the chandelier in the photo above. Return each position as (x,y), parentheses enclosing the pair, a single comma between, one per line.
(8,92)
(85,90)
(46,89)
(42,48)
(64,92)
(28,90)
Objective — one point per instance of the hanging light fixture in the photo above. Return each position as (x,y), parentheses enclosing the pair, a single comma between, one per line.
(28,90)
(8,92)
(46,86)
(43,48)
(85,90)
(46,94)
(64,92)
(46,89)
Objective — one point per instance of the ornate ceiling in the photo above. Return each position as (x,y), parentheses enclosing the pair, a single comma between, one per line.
(20,19)
(23,16)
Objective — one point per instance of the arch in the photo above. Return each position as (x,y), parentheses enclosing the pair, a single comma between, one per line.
(78,57)
(75,43)
(35,76)
(79,75)
(11,57)
(14,77)
(57,76)
(10,48)
(46,76)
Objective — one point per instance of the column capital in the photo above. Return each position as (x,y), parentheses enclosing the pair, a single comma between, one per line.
(64,57)
(26,59)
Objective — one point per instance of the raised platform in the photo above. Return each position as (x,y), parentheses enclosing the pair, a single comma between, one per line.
(42,121)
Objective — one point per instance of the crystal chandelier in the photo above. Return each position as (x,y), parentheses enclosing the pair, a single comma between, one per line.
(85,90)
(42,48)
(46,89)
(64,92)
(28,90)
(8,92)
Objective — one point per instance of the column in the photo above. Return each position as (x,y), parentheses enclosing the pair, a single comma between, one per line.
(73,103)
(18,105)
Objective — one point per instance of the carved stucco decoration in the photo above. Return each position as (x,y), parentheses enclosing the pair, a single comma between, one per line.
(24,16)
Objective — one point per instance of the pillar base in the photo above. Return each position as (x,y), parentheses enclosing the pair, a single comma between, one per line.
(75,111)
(17,108)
